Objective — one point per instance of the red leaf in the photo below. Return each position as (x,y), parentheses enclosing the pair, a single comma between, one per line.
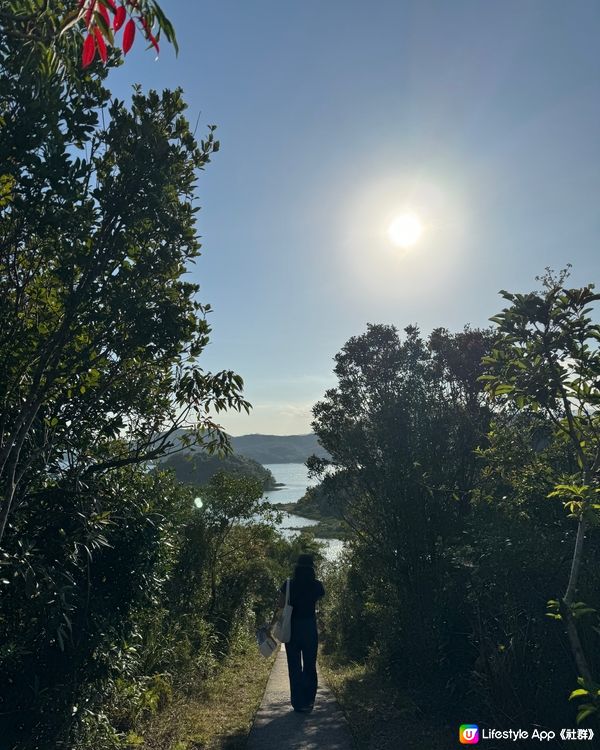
(90,13)
(112,5)
(120,17)
(104,13)
(101,44)
(89,50)
(152,38)
(149,35)
(128,35)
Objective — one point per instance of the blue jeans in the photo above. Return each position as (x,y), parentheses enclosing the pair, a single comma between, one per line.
(301,653)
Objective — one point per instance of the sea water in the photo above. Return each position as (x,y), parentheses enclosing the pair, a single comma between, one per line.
(296,481)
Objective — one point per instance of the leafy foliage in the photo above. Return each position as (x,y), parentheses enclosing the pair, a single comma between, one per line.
(117,590)
(447,457)
(102,19)
(100,330)
(65,30)
(401,428)
(123,596)
(548,360)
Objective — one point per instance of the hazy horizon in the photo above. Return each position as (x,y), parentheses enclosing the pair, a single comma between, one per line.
(273,434)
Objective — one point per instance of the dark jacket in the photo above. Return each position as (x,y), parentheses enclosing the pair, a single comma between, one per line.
(303,597)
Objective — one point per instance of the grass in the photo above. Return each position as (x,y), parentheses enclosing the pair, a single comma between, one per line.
(220,715)
(379,717)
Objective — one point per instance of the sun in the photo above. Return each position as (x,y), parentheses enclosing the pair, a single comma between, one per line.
(405,230)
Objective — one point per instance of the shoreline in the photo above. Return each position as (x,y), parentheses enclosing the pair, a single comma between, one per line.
(325,528)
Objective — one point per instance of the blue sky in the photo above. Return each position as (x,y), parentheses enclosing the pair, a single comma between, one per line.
(481,117)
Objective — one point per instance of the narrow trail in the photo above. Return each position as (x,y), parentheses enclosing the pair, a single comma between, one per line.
(277,726)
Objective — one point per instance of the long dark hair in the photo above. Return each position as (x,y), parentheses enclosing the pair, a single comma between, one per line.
(304,574)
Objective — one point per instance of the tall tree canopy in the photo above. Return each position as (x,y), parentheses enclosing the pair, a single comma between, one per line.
(401,428)
(99,329)
(100,335)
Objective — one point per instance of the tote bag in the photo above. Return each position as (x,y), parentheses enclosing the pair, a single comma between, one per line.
(282,630)
(267,645)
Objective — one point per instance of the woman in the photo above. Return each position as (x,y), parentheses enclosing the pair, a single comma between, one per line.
(301,649)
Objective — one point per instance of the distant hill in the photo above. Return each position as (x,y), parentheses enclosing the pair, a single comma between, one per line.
(197,467)
(278,449)
(268,449)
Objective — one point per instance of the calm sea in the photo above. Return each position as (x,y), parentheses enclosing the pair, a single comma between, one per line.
(295,478)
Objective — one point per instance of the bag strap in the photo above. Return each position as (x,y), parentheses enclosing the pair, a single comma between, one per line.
(287,591)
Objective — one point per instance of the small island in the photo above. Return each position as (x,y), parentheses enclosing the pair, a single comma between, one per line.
(197,467)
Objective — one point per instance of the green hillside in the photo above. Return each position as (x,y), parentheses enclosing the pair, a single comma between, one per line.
(198,467)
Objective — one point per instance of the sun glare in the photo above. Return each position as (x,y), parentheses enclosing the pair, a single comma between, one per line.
(405,230)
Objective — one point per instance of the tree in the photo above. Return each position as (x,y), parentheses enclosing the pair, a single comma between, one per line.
(57,29)
(547,359)
(100,332)
(100,335)
(401,428)
(230,502)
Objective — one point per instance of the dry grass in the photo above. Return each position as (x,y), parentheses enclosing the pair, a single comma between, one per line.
(220,716)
